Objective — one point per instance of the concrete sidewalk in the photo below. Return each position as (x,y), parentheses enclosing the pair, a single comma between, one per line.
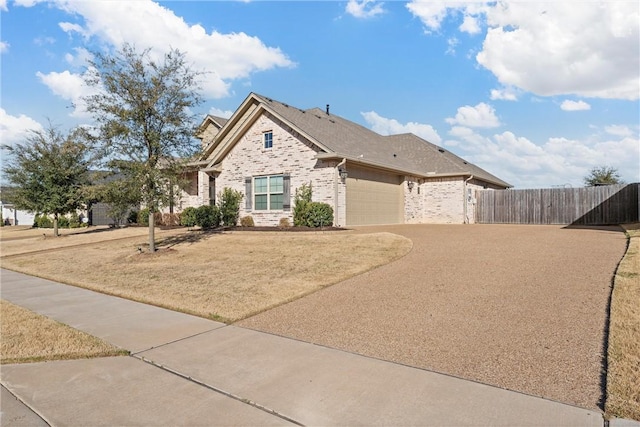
(186,370)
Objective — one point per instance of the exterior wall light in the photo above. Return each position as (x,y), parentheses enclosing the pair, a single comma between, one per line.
(410,185)
(343,174)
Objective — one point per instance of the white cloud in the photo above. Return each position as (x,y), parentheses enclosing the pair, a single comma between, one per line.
(504,94)
(225,114)
(364,8)
(551,48)
(451,45)
(555,48)
(3,5)
(556,161)
(385,126)
(4,47)
(146,24)
(433,12)
(568,105)
(14,129)
(81,57)
(69,86)
(480,116)
(618,130)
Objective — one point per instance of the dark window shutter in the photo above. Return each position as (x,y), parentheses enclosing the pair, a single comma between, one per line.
(247,192)
(286,196)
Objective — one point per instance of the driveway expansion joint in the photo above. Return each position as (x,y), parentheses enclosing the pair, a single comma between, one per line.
(218,390)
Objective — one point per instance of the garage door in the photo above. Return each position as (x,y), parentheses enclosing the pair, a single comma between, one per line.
(374,198)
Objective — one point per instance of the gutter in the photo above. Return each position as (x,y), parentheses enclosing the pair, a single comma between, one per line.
(465,199)
(336,182)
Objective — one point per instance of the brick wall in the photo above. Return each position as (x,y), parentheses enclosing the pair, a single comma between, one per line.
(291,154)
(443,201)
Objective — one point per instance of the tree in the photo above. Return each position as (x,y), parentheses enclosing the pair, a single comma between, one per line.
(50,172)
(143,110)
(603,175)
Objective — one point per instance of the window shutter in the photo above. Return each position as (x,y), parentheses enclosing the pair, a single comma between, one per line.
(247,192)
(286,196)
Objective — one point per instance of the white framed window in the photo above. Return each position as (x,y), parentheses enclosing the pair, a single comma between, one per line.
(267,139)
(268,192)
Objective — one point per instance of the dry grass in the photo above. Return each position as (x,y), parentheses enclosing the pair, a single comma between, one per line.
(30,337)
(623,374)
(224,276)
(22,240)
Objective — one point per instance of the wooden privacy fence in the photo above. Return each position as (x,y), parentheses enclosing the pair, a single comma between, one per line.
(609,204)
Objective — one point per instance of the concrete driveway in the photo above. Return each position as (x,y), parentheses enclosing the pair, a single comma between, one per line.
(519,307)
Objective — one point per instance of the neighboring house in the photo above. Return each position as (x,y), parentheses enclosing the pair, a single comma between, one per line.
(268,149)
(12,216)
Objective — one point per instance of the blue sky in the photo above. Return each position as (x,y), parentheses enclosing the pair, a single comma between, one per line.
(537,93)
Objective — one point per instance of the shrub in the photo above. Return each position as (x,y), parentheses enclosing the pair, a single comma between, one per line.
(74,221)
(143,217)
(320,215)
(208,216)
(43,221)
(284,223)
(132,218)
(63,221)
(247,221)
(188,218)
(301,205)
(230,206)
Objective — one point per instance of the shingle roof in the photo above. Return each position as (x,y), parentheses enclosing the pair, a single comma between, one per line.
(405,152)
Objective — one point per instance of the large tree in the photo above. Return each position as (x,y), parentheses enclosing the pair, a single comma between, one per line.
(143,108)
(49,172)
(603,175)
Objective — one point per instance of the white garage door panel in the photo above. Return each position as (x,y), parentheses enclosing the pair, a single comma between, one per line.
(374,198)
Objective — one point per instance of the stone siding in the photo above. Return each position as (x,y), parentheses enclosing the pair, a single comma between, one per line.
(413,201)
(443,201)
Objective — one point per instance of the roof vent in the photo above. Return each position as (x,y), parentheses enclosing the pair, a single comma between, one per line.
(395,155)
(327,109)
(441,150)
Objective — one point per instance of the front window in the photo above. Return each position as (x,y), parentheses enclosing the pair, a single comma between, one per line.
(268,192)
(268,139)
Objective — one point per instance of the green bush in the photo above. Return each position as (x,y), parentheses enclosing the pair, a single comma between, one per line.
(43,221)
(320,215)
(188,218)
(230,206)
(143,217)
(132,218)
(208,216)
(74,221)
(63,222)
(301,203)
(247,221)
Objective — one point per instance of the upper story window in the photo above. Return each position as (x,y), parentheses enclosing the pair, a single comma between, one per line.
(267,138)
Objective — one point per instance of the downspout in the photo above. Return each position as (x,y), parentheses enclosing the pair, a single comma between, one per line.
(336,181)
(465,199)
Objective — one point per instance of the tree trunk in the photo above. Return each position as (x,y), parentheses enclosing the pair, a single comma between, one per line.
(152,237)
(55,225)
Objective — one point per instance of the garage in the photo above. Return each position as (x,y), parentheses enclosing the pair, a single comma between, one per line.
(374,197)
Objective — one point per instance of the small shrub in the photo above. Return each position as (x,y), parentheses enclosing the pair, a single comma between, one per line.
(188,217)
(301,202)
(284,223)
(208,216)
(63,222)
(247,221)
(143,217)
(43,221)
(132,218)
(230,206)
(74,221)
(320,215)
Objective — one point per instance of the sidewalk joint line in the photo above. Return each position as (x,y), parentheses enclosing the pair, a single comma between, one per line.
(177,340)
(218,390)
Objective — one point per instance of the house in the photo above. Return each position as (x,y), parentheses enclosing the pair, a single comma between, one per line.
(267,149)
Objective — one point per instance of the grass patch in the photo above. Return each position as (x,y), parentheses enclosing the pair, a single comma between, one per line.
(623,373)
(223,276)
(30,337)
